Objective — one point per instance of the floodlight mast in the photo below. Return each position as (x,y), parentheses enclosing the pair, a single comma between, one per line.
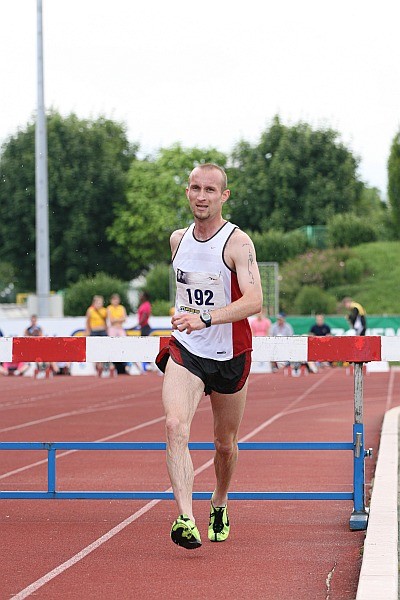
(42,208)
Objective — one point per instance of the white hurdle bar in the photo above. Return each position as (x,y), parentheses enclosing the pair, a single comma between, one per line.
(354,349)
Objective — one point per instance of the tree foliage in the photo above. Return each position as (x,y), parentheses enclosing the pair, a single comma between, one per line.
(279,246)
(327,270)
(294,176)
(155,204)
(350,230)
(394,183)
(87,166)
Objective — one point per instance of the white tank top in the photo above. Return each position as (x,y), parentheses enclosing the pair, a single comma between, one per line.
(204,283)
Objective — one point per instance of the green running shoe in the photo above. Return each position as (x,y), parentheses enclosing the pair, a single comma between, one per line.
(218,528)
(185,533)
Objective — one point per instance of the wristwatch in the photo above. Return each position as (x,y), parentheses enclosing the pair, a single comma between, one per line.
(206,318)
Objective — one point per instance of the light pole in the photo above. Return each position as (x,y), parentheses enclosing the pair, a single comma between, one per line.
(42,201)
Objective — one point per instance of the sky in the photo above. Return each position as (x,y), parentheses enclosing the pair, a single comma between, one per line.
(210,73)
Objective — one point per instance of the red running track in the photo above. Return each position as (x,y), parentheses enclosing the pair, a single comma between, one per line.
(102,549)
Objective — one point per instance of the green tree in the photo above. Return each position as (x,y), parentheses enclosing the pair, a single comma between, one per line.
(294,176)
(394,183)
(311,299)
(87,166)
(157,282)
(277,246)
(155,204)
(350,230)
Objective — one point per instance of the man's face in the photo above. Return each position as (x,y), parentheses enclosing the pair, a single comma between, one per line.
(205,193)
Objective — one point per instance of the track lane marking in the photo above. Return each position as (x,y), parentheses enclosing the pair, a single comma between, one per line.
(107,404)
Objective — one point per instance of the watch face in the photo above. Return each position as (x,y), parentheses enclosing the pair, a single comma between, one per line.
(206,318)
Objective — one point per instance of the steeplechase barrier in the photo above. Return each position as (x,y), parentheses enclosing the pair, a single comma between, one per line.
(350,349)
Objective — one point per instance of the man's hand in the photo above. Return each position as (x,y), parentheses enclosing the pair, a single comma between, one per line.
(187,322)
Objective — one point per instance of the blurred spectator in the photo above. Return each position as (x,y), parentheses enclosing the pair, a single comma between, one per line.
(281,327)
(33,329)
(62,368)
(144,313)
(96,325)
(261,325)
(96,317)
(320,328)
(116,314)
(9,368)
(356,316)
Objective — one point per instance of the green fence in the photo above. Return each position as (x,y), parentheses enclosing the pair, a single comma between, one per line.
(376,325)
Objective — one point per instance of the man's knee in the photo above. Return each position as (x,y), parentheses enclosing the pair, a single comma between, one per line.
(177,431)
(227,447)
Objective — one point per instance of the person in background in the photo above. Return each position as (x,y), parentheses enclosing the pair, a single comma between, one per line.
(144,313)
(96,325)
(96,317)
(10,368)
(261,325)
(62,368)
(320,328)
(282,328)
(356,316)
(33,329)
(116,315)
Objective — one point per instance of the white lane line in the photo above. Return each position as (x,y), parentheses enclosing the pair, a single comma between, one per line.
(33,587)
(390,390)
(18,403)
(84,552)
(89,409)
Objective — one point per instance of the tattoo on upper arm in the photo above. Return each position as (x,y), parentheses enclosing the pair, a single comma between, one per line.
(250,262)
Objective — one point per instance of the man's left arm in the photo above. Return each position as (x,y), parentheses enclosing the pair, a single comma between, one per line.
(240,256)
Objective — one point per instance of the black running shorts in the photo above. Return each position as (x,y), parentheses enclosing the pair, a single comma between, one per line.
(223,376)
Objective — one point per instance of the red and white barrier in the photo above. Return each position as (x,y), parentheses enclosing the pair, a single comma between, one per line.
(145,349)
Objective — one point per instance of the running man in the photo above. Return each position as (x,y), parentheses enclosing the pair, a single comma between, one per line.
(218,287)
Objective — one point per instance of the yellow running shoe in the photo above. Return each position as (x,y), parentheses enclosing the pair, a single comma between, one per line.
(218,528)
(185,533)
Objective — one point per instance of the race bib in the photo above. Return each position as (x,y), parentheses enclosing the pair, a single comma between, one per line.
(199,292)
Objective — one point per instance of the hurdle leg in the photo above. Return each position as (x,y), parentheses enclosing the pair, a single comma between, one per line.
(51,470)
(359,516)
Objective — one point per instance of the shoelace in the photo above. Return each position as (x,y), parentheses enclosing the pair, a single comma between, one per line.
(218,524)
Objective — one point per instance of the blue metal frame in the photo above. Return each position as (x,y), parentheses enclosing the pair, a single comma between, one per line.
(52,447)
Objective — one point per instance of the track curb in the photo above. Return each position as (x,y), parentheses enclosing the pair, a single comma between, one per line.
(379,571)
